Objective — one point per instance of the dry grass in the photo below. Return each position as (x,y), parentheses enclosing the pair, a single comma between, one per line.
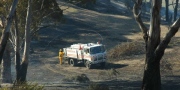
(112,73)
(126,49)
(94,86)
(77,78)
(30,86)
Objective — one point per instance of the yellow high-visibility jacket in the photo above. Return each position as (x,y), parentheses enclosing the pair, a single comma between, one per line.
(61,54)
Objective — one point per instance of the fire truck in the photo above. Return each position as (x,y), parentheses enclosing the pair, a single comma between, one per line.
(89,54)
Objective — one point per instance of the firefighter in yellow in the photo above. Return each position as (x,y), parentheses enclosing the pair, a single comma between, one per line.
(61,54)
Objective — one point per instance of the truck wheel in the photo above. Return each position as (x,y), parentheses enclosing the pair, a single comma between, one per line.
(73,62)
(88,65)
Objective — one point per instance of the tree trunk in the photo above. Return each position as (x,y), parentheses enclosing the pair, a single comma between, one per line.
(167,10)
(154,48)
(17,48)
(25,58)
(175,10)
(6,67)
(5,34)
(152,79)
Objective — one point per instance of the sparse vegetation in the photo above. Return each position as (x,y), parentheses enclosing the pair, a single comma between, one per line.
(166,66)
(30,86)
(77,78)
(112,73)
(126,49)
(95,86)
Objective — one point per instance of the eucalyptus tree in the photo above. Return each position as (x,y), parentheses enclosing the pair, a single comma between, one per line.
(6,31)
(154,46)
(167,10)
(176,10)
(6,66)
(22,29)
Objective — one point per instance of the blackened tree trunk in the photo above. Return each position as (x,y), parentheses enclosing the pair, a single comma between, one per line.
(167,10)
(5,34)
(152,79)
(6,67)
(175,10)
(24,64)
(154,48)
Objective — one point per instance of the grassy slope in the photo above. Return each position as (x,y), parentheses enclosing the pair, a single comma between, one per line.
(83,25)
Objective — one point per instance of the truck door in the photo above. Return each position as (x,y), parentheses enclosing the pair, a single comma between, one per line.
(86,53)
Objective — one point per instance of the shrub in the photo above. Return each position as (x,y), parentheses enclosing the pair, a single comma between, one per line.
(112,73)
(126,49)
(166,67)
(77,78)
(95,86)
(26,86)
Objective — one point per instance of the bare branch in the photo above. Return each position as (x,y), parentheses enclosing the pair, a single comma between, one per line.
(137,16)
(172,31)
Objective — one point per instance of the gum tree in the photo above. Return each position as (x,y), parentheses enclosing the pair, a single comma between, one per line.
(154,46)
(22,28)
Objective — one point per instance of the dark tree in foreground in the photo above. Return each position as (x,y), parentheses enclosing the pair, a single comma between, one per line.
(154,46)
(167,10)
(175,10)
(6,66)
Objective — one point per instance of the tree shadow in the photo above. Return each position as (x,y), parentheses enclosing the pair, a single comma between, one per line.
(115,66)
(106,7)
(112,85)
(109,66)
(123,84)
(171,82)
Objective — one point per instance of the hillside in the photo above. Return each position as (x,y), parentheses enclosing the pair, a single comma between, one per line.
(110,24)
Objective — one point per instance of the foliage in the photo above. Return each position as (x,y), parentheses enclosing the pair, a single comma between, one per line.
(126,49)
(30,86)
(42,9)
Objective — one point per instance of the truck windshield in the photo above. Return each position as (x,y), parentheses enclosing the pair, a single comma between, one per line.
(98,49)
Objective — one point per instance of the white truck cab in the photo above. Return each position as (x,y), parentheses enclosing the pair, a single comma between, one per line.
(89,54)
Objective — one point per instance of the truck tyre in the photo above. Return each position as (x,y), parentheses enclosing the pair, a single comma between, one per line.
(73,62)
(88,65)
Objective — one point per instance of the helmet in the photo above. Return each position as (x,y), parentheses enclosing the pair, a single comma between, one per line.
(60,50)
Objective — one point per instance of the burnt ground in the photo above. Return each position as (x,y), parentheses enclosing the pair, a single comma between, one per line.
(111,26)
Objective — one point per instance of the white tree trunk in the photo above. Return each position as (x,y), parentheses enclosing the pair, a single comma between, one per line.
(25,58)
